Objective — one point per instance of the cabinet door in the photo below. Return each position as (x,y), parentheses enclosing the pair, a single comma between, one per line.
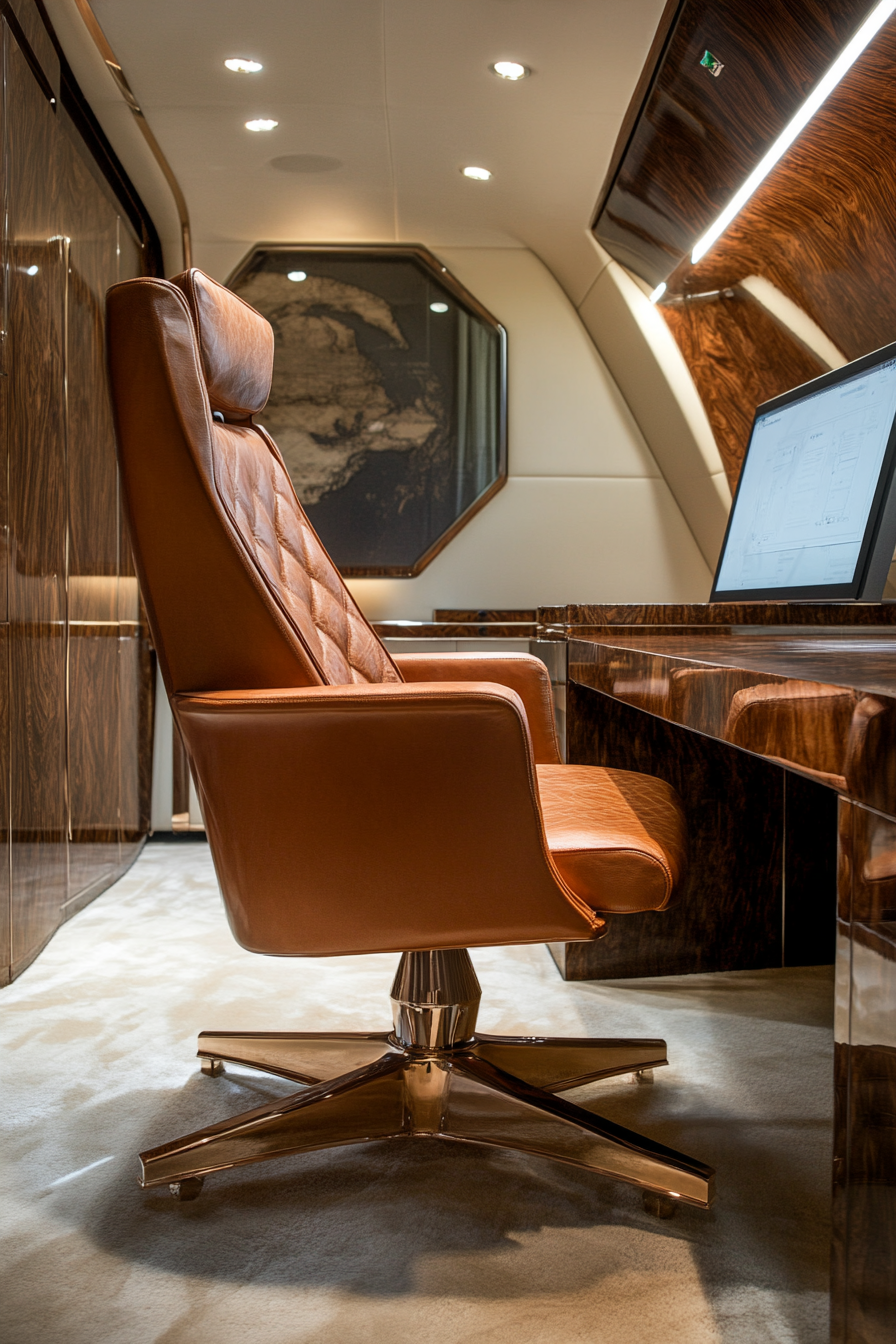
(36,269)
(863,1252)
(94,728)
(5,946)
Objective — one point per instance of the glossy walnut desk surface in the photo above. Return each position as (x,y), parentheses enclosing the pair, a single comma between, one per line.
(859,658)
(821,703)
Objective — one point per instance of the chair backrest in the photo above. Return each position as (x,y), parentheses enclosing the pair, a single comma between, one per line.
(240,593)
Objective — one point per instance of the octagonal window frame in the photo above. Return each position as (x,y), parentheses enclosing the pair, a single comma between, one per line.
(440,274)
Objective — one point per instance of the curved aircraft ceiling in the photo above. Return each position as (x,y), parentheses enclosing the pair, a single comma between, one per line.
(398,94)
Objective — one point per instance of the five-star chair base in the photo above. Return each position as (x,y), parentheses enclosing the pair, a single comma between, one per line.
(433,1077)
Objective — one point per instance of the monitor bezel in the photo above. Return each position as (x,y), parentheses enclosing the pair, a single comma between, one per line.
(827,592)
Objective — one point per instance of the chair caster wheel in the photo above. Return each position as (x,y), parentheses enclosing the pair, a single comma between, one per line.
(212,1068)
(659,1206)
(187,1189)
(642,1076)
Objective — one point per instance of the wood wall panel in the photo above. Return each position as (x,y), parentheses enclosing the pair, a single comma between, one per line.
(4,462)
(37,513)
(94,723)
(38,860)
(5,943)
(94,739)
(77,698)
(92,468)
(739,356)
(32,32)
(821,228)
(37,260)
(137,685)
(697,137)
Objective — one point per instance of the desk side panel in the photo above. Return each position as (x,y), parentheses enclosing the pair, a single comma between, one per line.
(728,915)
(863,1252)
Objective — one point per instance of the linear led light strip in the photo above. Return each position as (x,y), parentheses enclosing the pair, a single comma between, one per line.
(850,53)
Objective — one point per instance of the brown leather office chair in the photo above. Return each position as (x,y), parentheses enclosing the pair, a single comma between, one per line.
(356,802)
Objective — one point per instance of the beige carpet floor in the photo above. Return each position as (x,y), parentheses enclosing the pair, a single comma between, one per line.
(401,1243)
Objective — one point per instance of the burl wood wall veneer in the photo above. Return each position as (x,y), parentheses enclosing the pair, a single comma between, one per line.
(75,664)
(820,232)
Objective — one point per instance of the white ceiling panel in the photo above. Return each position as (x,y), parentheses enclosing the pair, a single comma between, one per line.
(313,51)
(400,94)
(238,194)
(585,55)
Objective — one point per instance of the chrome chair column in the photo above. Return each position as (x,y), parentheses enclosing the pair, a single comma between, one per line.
(435,1000)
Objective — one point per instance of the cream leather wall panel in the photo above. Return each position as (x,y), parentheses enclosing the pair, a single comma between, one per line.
(586,515)
(647,365)
(555,539)
(566,415)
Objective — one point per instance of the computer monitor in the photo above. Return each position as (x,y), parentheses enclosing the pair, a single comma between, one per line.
(814,515)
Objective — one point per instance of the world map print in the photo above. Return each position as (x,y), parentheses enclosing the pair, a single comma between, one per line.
(364,401)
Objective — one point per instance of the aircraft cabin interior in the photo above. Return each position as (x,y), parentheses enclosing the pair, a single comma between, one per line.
(448,671)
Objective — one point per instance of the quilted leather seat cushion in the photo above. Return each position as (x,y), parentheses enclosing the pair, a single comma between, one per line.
(257,494)
(617,838)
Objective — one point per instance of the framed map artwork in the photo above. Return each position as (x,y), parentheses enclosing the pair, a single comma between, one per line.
(389,398)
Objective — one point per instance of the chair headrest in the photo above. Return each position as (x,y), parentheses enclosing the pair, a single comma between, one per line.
(236,345)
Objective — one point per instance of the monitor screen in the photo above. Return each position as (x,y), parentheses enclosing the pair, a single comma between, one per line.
(812,487)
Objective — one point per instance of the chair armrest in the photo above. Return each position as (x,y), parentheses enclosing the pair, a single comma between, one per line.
(524,674)
(376,818)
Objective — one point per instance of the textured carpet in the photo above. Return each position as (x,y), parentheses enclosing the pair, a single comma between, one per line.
(393,1243)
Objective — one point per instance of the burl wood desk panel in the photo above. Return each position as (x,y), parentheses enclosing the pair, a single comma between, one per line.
(783,747)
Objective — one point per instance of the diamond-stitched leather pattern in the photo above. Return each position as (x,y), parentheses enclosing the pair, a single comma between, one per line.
(257,494)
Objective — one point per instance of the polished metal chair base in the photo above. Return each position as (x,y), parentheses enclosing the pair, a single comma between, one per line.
(432,1077)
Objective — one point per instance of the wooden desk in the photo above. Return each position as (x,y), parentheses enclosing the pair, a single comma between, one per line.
(782,743)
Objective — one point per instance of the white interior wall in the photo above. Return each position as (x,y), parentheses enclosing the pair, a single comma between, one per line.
(586,514)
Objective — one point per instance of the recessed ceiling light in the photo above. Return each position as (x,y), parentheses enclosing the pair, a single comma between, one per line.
(438,307)
(261,124)
(510,70)
(296,275)
(478,174)
(658,293)
(244,66)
